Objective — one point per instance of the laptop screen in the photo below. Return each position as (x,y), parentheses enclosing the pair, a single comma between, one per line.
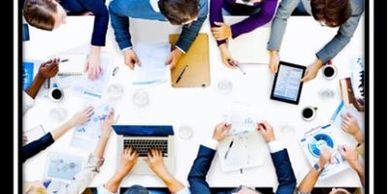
(144,130)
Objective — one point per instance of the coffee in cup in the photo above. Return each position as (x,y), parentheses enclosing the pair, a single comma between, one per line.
(56,94)
(309,112)
(329,71)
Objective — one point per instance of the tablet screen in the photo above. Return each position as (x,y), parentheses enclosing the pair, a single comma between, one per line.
(287,85)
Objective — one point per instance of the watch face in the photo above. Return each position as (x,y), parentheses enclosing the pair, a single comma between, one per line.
(316,166)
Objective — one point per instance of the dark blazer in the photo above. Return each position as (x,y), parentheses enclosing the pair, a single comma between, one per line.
(36,146)
(201,165)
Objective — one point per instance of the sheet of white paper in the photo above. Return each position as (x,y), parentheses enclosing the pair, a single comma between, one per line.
(73,66)
(86,136)
(63,166)
(242,117)
(248,150)
(343,109)
(153,69)
(34,133)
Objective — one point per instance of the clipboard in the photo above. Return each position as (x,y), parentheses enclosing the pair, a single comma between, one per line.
(193,68)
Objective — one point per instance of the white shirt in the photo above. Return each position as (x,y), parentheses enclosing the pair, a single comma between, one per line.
(28,102)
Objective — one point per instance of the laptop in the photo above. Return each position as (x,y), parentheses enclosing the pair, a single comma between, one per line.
(251,48)
(143,138)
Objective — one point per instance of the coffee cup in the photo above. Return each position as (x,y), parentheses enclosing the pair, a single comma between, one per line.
(55,94)
(329,71)
(308,113)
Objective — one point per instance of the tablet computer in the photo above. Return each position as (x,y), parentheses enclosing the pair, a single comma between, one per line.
(287,85)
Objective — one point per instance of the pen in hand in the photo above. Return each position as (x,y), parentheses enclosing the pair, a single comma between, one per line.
(227,151)
(235,64)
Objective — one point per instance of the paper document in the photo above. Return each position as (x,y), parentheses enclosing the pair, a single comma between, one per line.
(153,69)
(247,150)
(63,166)
(86,136)
(242,117)
(34,133)
(73,65)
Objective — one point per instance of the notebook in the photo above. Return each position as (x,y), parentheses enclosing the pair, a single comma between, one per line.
(193,68)
(251,48)
(73,66)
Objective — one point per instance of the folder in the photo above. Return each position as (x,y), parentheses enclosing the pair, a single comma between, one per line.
(193,68)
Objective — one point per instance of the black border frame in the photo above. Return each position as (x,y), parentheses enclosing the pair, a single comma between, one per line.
(276,79)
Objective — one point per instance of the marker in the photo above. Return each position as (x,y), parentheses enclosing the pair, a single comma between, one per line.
(181,74)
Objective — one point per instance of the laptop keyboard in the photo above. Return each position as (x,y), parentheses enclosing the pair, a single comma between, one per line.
(142,146)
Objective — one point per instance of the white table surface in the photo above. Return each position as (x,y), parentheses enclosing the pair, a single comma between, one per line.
(199,108)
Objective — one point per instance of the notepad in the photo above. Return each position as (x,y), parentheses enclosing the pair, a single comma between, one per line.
(34,133)
(250,48)
(74,66)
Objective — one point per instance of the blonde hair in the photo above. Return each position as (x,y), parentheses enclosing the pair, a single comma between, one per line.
(33,189)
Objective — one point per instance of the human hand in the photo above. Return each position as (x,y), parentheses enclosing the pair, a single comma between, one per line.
(324,157)
(349,155)
(128,159)
(273,61)
(107,125)
(130,58)
(155,162)
(25,140)
(82,116)
(222,31)
(93,64)
(350,125)
(221,130)
(312,71)
(48,69)
(173,58)
(226,57)
(266,131)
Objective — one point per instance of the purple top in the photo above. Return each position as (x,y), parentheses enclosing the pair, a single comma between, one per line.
(267,10)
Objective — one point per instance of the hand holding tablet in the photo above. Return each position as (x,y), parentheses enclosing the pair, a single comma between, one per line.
(287,85)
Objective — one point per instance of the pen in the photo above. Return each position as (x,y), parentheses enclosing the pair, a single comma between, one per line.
(233,63)
(181,74)
(227,151)
(63,60)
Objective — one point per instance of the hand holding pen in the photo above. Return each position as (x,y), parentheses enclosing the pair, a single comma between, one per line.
(235,63)
(266,130)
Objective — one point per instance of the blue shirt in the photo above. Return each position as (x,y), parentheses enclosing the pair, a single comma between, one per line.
(99,10)
(120,10)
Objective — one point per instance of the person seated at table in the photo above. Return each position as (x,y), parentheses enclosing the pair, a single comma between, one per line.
(33,148)
(279,155)
(46,71)
(156,164)
(260,12)
(344,14)
(83,179)
(190,14)
(50,14)
(350,155)
(350,125)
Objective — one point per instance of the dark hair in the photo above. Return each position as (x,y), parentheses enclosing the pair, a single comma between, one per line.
(179,11)
(40,13)
(333,12)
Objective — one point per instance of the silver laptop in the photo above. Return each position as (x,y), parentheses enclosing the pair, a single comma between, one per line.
(144,137)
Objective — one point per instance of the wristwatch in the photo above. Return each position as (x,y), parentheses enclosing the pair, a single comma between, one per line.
(317,167)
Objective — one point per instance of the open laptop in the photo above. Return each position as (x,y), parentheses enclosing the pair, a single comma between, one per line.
(143,138)
(251,48)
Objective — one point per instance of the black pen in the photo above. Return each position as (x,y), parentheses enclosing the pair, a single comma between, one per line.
(181,74)
(233,63)
(227,151)
(63,60)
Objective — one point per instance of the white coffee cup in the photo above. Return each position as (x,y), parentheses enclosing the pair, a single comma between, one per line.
(329,71)
(309,113)
(140,98)
(55,94)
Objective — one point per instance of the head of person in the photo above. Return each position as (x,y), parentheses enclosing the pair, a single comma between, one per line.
(332,13)
(339,191)
(44,14)
(179,12)
(136,189)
